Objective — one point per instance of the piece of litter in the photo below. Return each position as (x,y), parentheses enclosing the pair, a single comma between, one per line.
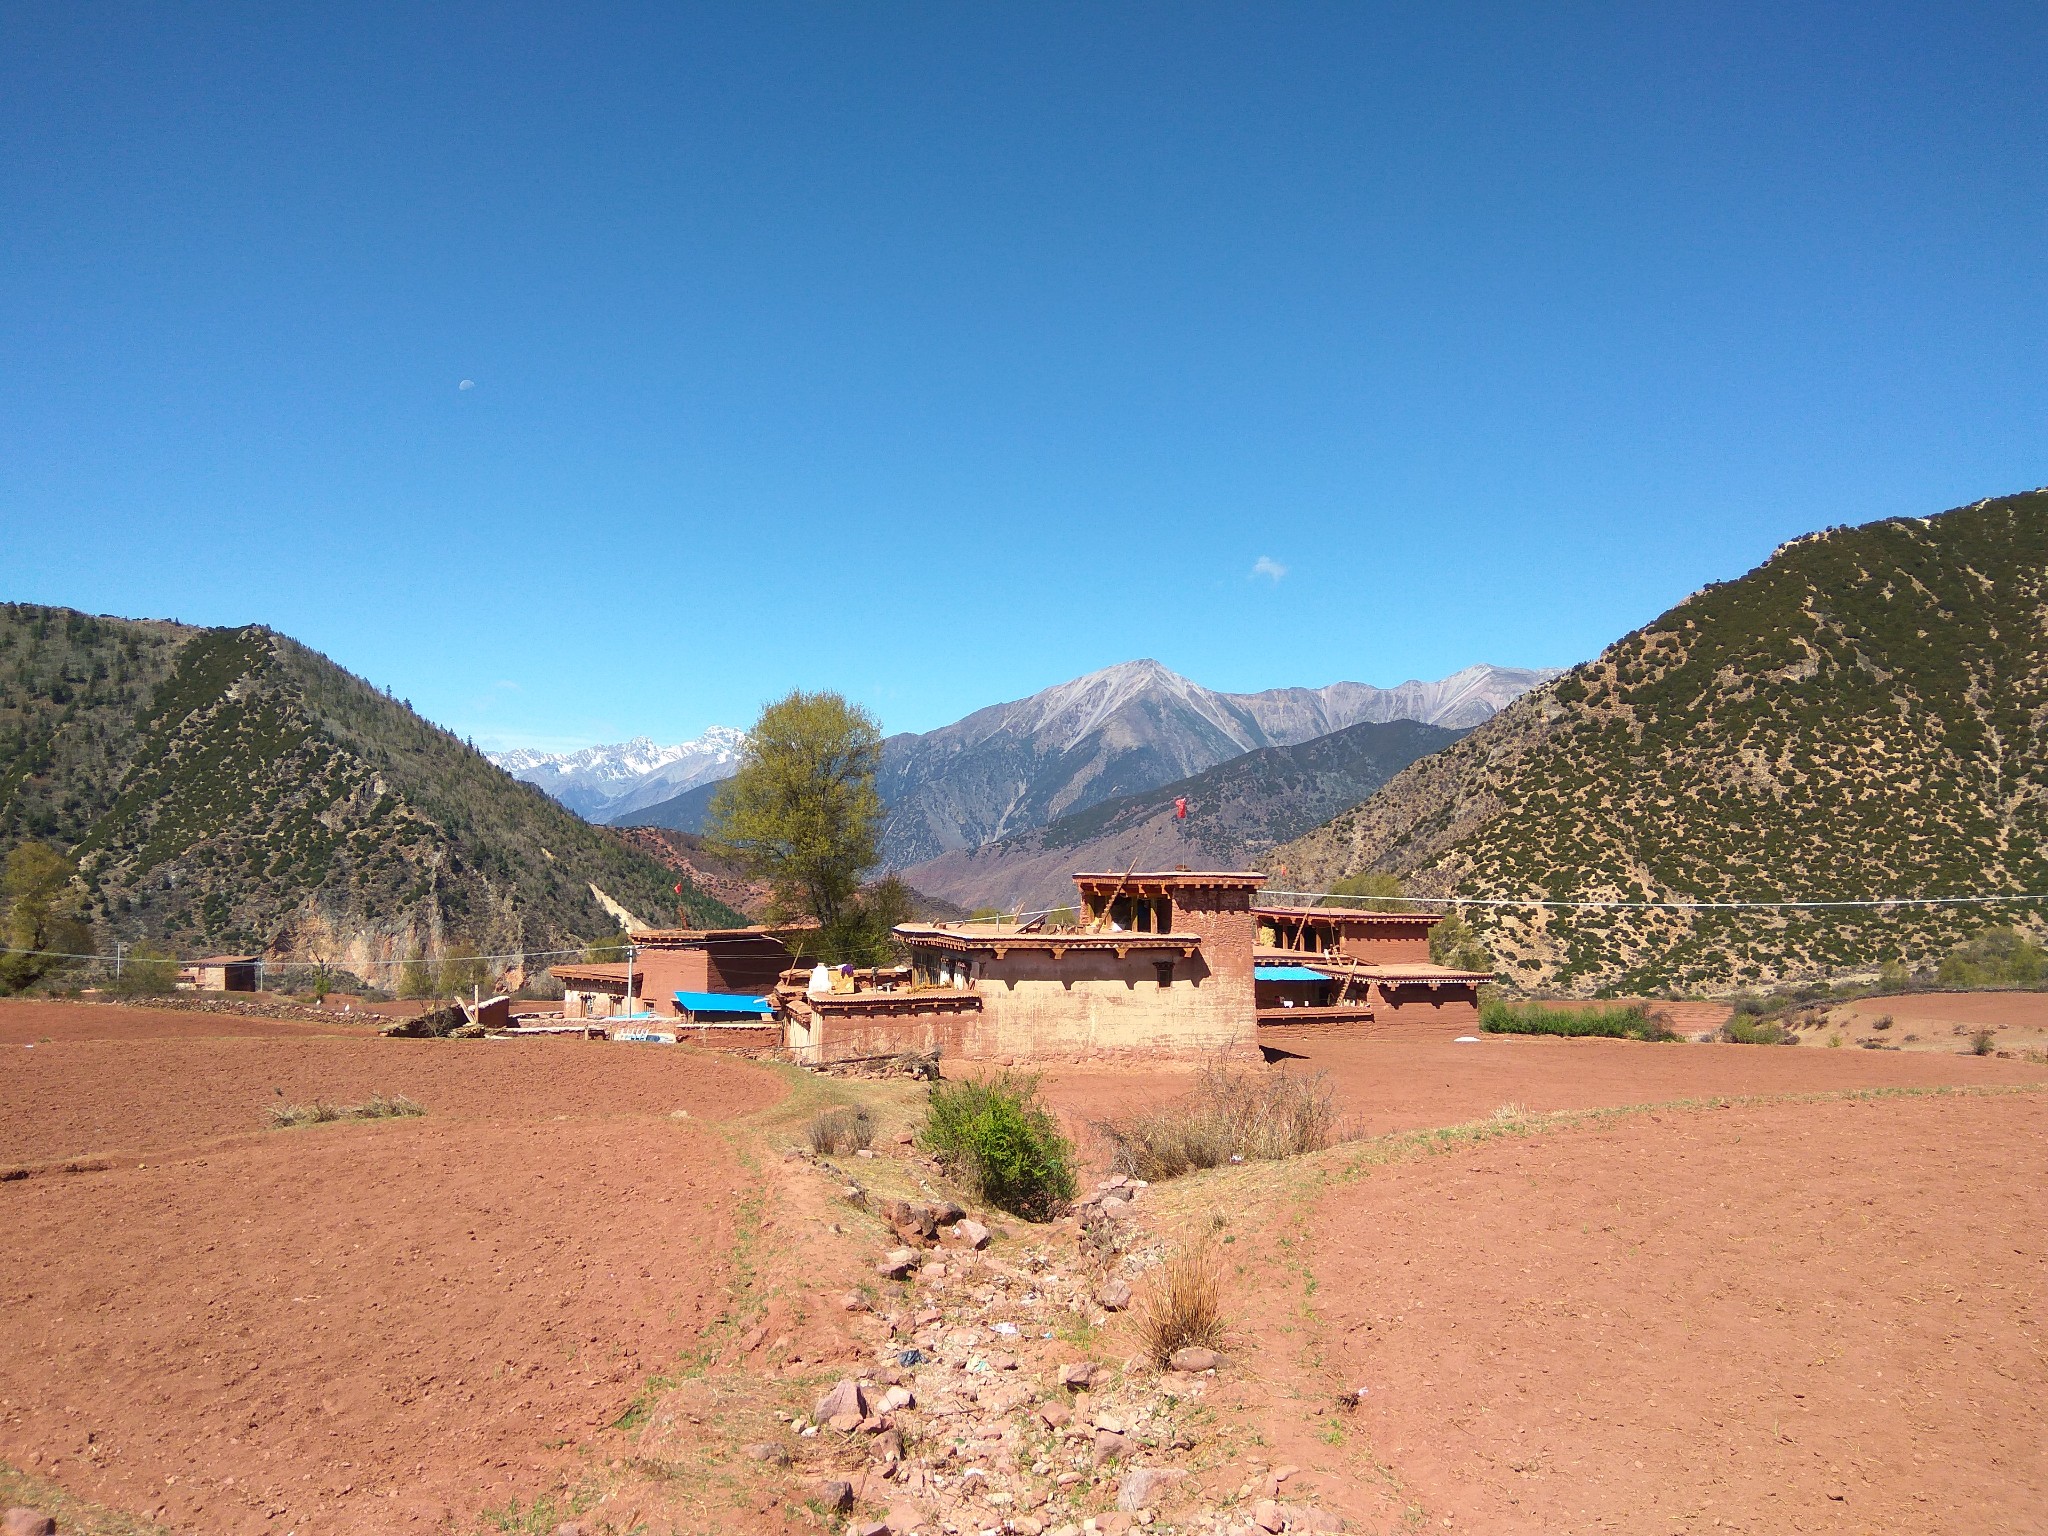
(1008,1330)
(1466,1040)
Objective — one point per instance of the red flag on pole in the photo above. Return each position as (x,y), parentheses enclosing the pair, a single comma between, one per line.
(679,887)
(1180,808)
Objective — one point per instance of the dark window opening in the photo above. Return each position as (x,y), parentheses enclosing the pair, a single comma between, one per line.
(1165,970)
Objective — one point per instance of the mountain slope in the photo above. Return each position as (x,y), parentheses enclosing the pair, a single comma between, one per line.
(604,783)
(1864,715)
(1237,812)
(228,788)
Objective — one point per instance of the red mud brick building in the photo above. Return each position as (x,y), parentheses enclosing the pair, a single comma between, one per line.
(716,975)
(1367,971)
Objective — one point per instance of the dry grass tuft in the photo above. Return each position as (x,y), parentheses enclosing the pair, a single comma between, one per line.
(1182,1305)
(833,1132)
(1234,1115)
(377,1107)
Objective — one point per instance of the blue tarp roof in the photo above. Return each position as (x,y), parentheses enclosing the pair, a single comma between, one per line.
(722,1002)
(1286,973)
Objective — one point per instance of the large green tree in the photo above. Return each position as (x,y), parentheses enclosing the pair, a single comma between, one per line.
(802,812)
(41,899)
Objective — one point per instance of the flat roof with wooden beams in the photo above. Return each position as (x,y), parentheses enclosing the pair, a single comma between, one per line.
(1149,882)
(690,937)
(989,940)
(1349,917)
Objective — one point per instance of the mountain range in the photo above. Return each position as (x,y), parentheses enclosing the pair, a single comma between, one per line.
(1237,812)
(1013,767)
(230,789)
(1864,716)
(610,782)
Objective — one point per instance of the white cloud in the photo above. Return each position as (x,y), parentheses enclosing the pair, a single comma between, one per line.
(467,384)
(1269,568)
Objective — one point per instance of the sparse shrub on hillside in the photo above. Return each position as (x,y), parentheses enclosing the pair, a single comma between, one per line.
(1249,1115)
(1453,943)
(834,1132)
(1499,1017)
(146,971)
(1997,957)
(1181,1306)
(1983,1042)
(992,1133)
(1745,1030)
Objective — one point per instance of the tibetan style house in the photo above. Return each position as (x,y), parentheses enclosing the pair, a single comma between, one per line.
(1334,966)
(703,977)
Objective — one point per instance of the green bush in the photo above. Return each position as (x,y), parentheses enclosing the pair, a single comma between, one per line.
(146,971)
(1631,1023)
(1997,957)
(993,1133)
(1744,1029)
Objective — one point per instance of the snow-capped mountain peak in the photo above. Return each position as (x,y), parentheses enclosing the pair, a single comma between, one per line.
(604,781)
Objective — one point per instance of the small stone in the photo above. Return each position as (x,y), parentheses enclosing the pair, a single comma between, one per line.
(1195,1360)
(572,1528)
(853,1301)
(768,1451)
(1266,1515)
(23,1521)
(835,1495)
(887,1447)
(1002,1362)
(972,1233)
(946,1212)
(896,1399)
(929,1316)
(845,1423)
(1115,1522)
(1142,1487)
(1114,1296)
(752,1340)
(845,1398)
(930,1272)
(867,1152)
(896,1263)
(906,1138)
(872,1528)
(1109,1422)
(1055,1415)
(1108,1446)
(1078,1375)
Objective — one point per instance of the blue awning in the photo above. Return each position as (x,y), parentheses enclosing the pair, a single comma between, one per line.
(1286,973)
(723,1002)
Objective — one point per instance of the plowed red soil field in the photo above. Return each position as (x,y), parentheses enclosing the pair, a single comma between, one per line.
(1821,1317)
(1397,1085)
(348,1327)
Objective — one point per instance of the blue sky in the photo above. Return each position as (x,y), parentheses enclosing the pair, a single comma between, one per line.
(938,353)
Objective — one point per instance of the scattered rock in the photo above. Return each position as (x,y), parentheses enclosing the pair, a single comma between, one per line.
(1079,1375)
(572,1528)
(1056,1415)
(1109,1423)
(896,1263)
(1304,1517)
(906,1138)
(863,1152)
(1142,1487)
(972,1233)
(23,1521)
(1195,1360)
(1109,1445)
(1267,1517)
(752,1340)
(930,1272)
(768,1451)
(887,1447)
(835,1495)
(1114,1296)
(845,1423)
(947,1212)
(895,1400)
(845,1398)
(853,1301)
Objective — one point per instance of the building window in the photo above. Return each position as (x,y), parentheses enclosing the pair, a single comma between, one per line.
(1165,970)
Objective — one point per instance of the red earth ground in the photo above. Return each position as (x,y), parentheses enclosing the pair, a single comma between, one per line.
(356,1326)
(1821,1317)
(401,1324)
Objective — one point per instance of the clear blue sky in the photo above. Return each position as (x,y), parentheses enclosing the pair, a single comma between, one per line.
(939,353)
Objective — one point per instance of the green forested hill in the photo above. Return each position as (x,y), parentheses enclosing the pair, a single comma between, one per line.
(1865,714)
(230,789)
